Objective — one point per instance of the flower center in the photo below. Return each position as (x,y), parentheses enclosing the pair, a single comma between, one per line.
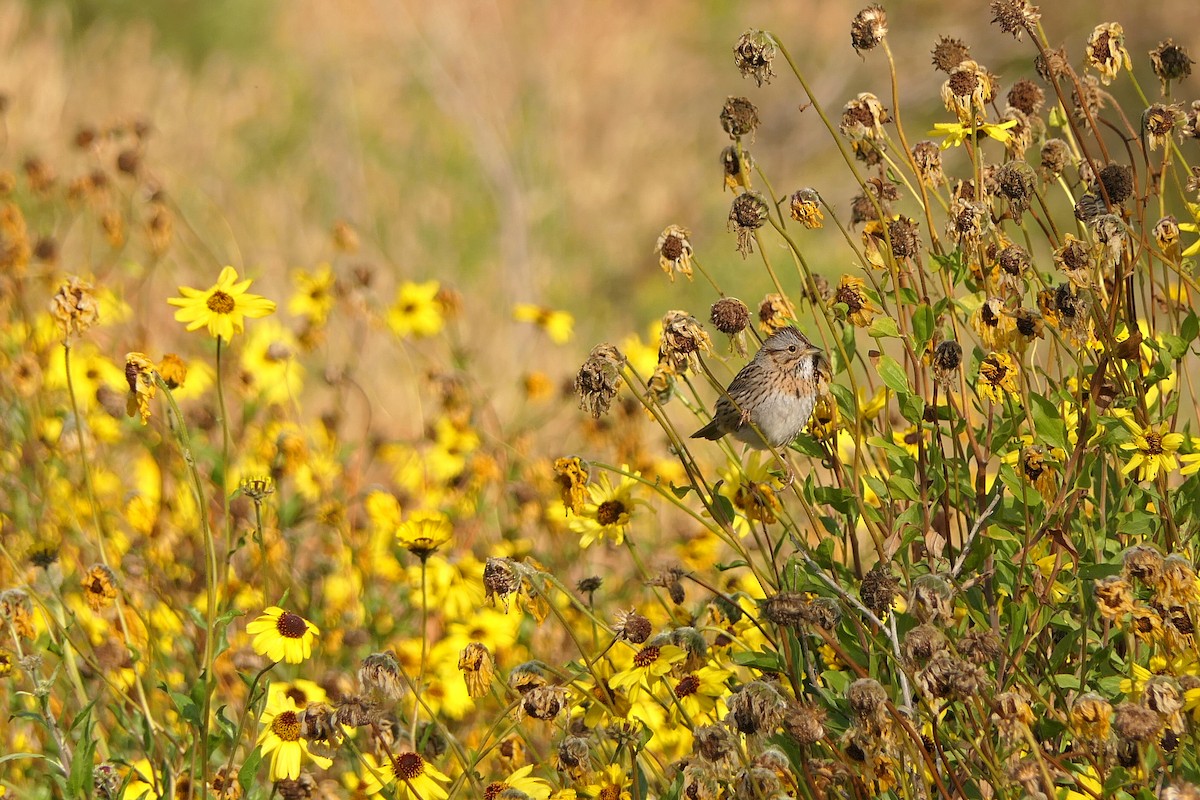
(494,789)
(286,726)
(672,248)
(687,687)
(220,302)
(610,512)
(1154,444)
(291,625)
(408,766)
(646,656)
(610,792)
(850,296)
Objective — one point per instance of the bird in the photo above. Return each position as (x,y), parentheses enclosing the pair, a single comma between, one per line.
(769,401)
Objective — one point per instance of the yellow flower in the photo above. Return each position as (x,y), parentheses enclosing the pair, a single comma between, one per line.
(142,782)
(1152,450)
(955,133)
(556,324)
(300,691)
(424,532)
(282,636)
(608,513)
(852,293)
(997,375)
(315,296)
(221,308)
(416,311)
(613,784)
(649,664)
(420,780)
(520,781)
(281,740)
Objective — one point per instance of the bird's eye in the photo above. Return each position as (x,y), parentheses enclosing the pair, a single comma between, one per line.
(791,348)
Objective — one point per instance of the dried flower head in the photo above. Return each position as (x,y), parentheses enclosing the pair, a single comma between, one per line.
(1015,16)
(928,159)
(1054,158)
(805,722)
(1170,62)
(931,600)
(599,379)
(863,118)
(947,358)
(683,340)
(729,315)
(859,308)
(499,579)
(747,214)
(1166,235)
(675,251)
(948,676)
(1114,597)
(1106,51)
(1163,695)
(948,53)
(544,702)
(1178,583)
(969,221)
(754,55)
(739,117)
(869,702)
(868,28)
(139,374)
(571,474)
(1158,121)
(921,643)
(632,626)
(879,589)
(979,646)
(806,208)
(1091,719)
(968,91)
(74,307)
(1026,96)
(713,743)
(757,708)
(1143,562)
(775,313)
(1016,183)
(99,587)
(1136,723)
(1012,716)
(379,677)
(737,166)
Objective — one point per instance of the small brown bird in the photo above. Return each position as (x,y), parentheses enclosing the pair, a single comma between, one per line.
(775,393)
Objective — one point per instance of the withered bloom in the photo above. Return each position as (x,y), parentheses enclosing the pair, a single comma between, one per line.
(948,53)
(739,117)
(757,708)
(1015,16)
(572,477)
(863,118)
(868,28)
(931,600)
(683,340)
(599,379)
(1136,723)
(499,580)
(729,315)
(139,374)
(74,307)
(806,208)
(775,313)
(946,360)
(1016,183)
(878,590)
(1158,121)
(928,158)
(475,663)
(99,587)
(1055,155)
(1106,51)
(675,251)
(1170,62)
(754,56)
(748,213)
(632,626)
(544,702)
(379,677)
(1026,96)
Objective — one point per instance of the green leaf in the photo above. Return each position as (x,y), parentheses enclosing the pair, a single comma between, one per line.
(762,659)
(912,407)
(681,492)
(1177,346)
(722,508)
(1190,328)
(893,374)
(923,322)
(884,328)
(79,782)
(1048,422)
(249,768)
(15,756)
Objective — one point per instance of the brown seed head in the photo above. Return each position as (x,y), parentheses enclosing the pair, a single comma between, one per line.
(921,643)
(1026,96)
(729,315)
(948,53)
(878,590)
(739,117)
(1015,16)
(1136,723)
(1143,562)
(754,55)
(599,379)
(804,722)
(868,28)
(1170,62)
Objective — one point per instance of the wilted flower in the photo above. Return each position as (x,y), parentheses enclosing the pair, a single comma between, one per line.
(1170,62)
(748,213)
(968,91)
(997,377)
(931,600)
(674,251)
(74,306)
(139,373)
(852,293)
(775,313)
(863,118)
(599,379)
(683,340)
(754,55)
(1136,723)
(868,28)
(1015,16)
(739,117)
(806,208)
(1106,51)
(99,587)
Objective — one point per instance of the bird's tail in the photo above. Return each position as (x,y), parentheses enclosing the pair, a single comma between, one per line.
(710,431)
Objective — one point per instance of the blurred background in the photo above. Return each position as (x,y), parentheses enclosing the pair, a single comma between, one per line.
(514,151)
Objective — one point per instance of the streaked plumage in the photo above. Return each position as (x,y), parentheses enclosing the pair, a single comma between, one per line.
(775,392)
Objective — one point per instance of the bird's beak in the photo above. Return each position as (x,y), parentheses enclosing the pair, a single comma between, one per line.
(812,350)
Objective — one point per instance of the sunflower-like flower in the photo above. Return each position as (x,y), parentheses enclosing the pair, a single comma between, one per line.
(557,324)
(609,511)
(650,664)
(282,636)
(1106,51)
(424,532)
(315,295)
(520,781)
(419,779)
(416,311)
(281,740)
(1151,450)
(852,293)
(222,308)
